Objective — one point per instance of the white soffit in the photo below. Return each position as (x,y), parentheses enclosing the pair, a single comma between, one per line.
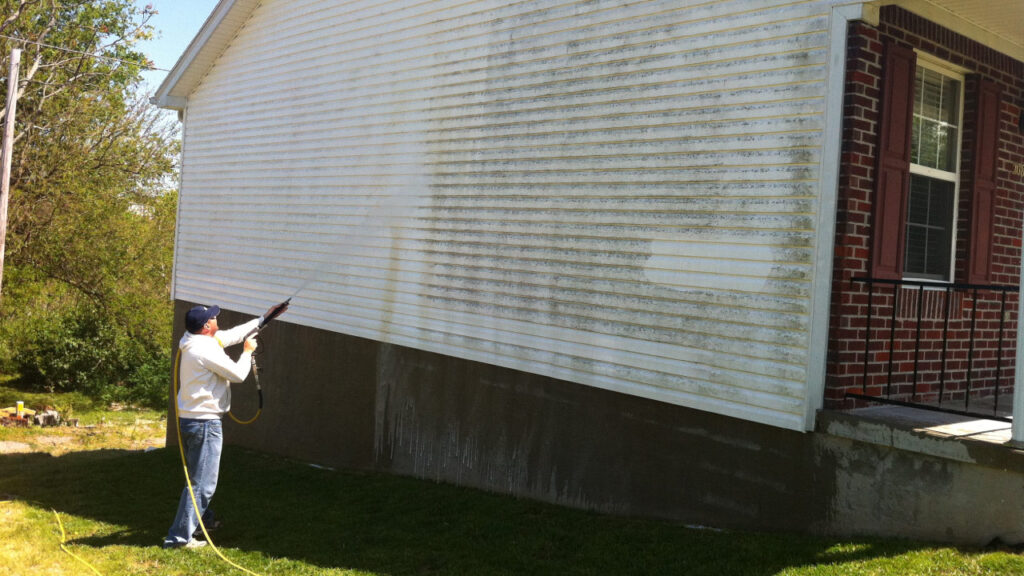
(998,24)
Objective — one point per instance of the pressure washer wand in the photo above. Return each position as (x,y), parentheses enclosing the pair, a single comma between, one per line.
(274,313)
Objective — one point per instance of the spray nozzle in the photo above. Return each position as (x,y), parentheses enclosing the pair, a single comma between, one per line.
(271,313)
(275,311)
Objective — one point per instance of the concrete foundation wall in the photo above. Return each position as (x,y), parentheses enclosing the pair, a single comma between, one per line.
(353,403)
(890,480)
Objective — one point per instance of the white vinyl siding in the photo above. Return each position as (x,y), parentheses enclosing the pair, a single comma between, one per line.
(620,194)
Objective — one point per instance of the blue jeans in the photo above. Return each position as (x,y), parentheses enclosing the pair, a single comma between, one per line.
(203,441)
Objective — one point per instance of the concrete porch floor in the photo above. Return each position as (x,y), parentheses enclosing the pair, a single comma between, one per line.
(937,424)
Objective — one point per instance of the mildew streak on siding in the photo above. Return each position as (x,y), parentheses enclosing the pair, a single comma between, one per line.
(618,194)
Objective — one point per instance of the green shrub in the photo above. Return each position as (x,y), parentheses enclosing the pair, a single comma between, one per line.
(85,352)
(150,380)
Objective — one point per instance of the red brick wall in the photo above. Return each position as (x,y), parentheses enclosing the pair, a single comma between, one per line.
(904,343)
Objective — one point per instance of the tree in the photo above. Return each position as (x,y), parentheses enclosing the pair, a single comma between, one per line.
(90,234)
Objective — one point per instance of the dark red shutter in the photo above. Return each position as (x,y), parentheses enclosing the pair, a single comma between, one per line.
(892,184)
(986,163)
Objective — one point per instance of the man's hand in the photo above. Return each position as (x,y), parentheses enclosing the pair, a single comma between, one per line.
(275,311)
(250,344)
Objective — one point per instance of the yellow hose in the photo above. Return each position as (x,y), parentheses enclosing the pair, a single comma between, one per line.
(250,420)
(63,540)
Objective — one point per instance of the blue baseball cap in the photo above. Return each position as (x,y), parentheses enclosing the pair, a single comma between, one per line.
(199,316)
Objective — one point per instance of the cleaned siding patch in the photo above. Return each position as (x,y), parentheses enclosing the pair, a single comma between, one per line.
(618,194)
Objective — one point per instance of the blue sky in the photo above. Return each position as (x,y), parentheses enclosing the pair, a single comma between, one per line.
(175,25)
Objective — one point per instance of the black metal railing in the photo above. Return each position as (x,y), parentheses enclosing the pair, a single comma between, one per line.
(939,346)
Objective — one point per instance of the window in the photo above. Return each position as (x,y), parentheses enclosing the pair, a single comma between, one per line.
(930,225)
(916,209)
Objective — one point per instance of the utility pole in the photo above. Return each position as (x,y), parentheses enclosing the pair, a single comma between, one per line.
(6,153)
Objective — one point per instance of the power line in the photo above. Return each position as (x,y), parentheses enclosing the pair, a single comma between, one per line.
(92,54)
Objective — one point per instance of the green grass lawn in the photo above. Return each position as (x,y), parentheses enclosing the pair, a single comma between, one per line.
(287,518)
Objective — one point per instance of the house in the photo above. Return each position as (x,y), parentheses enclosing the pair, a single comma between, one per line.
(619,255)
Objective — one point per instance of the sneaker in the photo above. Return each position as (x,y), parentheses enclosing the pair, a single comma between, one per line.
(210,527)
(193,543)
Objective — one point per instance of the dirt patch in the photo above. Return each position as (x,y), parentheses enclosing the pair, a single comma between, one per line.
(14,447)
(54,440)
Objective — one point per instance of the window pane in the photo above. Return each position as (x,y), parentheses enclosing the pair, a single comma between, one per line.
(925,148)
(936,120)
(929,232)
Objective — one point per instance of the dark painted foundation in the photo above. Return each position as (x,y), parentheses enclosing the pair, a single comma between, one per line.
(347,402)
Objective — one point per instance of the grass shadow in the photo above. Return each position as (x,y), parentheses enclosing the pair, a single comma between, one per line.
(393,525)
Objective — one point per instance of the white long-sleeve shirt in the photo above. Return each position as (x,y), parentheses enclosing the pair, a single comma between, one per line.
(207,372)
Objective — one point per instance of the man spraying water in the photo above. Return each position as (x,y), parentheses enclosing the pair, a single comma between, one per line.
(203,399)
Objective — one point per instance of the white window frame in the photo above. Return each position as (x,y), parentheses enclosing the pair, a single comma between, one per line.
(934,64)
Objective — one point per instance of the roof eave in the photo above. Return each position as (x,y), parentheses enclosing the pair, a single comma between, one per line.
(209,42)
(170,102)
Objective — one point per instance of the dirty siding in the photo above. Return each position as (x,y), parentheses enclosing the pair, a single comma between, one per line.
(622,195)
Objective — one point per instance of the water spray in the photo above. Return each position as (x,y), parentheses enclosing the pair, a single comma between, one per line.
(384,213)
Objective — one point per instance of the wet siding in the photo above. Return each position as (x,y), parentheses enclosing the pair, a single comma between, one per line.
(618,194)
